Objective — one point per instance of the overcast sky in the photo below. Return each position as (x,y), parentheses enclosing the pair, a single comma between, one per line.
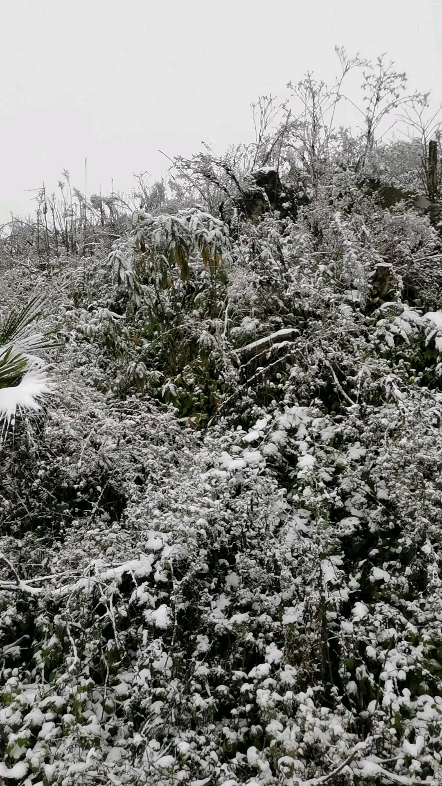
(115,81)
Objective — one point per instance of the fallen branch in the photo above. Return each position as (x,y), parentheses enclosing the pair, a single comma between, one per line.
(263,344)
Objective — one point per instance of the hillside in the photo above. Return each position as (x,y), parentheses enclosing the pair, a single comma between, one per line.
(221,542)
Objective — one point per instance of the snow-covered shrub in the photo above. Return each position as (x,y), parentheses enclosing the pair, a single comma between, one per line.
(220,560)
(406,240)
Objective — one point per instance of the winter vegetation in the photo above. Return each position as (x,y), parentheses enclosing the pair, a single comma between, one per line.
(220,486)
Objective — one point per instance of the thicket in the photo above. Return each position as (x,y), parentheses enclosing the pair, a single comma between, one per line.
(220,539)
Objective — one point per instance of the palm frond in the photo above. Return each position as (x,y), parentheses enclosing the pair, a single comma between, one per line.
(16,323)
(16,331)
(23,378)
(12,368)
(35,342)
(24,397)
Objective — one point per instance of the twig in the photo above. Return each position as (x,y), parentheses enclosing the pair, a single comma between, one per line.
(21,586)
(19,583)
(339,386)
(325,778)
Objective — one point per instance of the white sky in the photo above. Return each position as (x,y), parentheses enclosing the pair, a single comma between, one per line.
(116,81)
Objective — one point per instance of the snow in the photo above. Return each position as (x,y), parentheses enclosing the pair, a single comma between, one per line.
(410,315)
(202,670)
(159,617)
(252,456)
(114,755)
(268,341)
(53,702)
(270,449)
(307,461)
(288,677)
(165,762)
(252,436)
(380,575)
(232,580)
(252,755)
(155,540)
(231,464)
(46,729)
(183,747)
(203,643)
(262,670)
(381,491)
(25,396)
(139,567)
(291,615)
(35,717)
(328,433)
(356,452)
(219,605)
(328,571)
(413,749)
(16,772)
(273,654)
(240,619)
(359,611)
(369,769)
(279,437)
(122,689)
(435,317)
(274,726)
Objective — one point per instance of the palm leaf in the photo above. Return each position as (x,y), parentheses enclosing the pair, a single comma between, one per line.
(16,331)
(24,397)
(16,323)
(12,368)
(23,378)
(36,342)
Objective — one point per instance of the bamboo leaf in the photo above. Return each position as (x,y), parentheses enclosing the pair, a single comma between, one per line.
(181,258)
(205,254)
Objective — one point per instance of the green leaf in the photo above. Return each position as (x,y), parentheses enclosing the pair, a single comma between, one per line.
(12,368)
(14,327)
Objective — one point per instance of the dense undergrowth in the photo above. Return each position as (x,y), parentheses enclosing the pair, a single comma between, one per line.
(221,539)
